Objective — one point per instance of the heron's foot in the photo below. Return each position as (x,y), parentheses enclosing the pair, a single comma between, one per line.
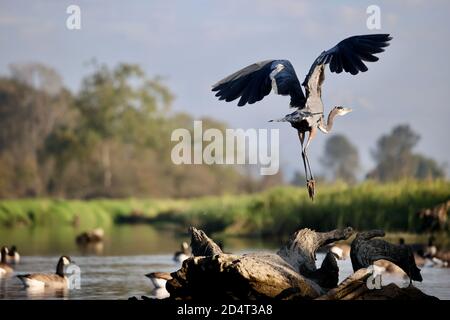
(310,185)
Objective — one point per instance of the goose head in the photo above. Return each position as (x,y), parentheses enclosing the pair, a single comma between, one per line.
(4,252)
(63,262)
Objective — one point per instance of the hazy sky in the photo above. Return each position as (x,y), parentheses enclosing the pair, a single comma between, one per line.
(195,43)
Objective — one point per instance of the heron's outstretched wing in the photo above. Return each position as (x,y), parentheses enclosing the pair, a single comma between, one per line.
(254,82)
(348,55)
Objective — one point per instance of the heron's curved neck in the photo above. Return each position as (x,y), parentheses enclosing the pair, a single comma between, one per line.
(326,128)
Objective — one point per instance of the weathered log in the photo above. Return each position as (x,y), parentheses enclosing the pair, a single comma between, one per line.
(202,245)
(291,274)
(300,251)
(348,287)
(225,276)
(355,287)
(212,274)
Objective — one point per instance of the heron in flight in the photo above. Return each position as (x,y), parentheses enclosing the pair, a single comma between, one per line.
(252,83)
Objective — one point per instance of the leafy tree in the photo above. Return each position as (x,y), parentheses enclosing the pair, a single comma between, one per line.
(395,158)
(32,102)
(123,105)
(111,139)
(341,159)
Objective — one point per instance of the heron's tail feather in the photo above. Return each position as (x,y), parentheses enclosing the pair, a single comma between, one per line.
(279,120)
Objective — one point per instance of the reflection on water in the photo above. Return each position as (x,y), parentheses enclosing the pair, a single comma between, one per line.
(120,277)
(45,293)
(116,270)
(91,248)
(119,240)
(112,269)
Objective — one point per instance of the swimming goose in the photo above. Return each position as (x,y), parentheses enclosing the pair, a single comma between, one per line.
(435,262)
(93,236)
(421,249)
(5,269)
(443,256)
(182,255)
(56,280)
(13,256)
(159,280)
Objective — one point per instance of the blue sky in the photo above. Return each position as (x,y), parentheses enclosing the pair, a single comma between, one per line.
(192,44)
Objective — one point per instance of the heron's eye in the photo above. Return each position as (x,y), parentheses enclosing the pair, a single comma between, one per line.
(340,108)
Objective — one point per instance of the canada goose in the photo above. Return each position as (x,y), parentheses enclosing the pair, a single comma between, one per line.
(93,236)
(56,280)
(13,255)
(5,269)
(182,255)
(444,256)
(421,249)
(425,254)
(435,262)
(159,280)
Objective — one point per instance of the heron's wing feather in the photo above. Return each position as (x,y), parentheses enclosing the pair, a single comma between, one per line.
(348,55)
(255,81)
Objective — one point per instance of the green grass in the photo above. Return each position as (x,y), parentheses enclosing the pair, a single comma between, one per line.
(278,211)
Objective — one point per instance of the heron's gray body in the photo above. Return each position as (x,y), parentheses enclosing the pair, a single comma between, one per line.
(312,111)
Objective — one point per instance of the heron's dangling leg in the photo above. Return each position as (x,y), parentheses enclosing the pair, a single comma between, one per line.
(311,183)
(311,136)
(301,137)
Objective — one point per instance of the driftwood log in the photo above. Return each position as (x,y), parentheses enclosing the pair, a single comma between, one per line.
(365,251)
(290,274)
(355,288)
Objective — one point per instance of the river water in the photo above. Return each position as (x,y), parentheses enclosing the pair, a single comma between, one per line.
(116,269)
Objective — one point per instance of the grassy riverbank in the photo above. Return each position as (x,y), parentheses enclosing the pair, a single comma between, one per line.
(392,207)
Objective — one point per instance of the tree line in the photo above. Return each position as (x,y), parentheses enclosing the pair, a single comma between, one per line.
(394,158)
(111,139)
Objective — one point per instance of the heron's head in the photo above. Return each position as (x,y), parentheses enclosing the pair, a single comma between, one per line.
(342,111)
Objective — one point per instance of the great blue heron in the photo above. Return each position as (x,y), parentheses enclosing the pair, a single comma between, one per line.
(255,81)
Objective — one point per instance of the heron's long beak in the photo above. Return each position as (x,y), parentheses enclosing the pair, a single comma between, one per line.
(346,110)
